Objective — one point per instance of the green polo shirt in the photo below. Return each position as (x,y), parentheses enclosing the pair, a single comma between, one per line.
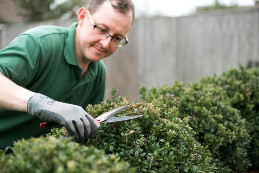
(43,60)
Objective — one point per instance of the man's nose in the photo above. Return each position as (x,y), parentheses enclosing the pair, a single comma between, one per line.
(106,42)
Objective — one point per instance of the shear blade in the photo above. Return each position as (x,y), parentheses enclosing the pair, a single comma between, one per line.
(118,119)
(111,113)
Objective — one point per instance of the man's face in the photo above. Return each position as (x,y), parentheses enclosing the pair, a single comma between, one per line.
(91,46)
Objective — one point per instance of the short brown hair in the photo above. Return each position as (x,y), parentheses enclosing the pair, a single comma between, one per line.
(123,6)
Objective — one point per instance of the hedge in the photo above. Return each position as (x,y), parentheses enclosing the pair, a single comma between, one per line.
(207,126)
(217,124)
(242,87)
(158,142)
(224,113)
(59,155)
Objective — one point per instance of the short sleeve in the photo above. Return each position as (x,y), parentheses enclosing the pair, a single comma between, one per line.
(18,61)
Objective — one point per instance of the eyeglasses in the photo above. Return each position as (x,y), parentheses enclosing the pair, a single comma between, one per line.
(119,41)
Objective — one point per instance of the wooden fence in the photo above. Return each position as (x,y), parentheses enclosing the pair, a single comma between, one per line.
(164,49)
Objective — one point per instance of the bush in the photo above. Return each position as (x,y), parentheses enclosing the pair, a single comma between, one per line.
(157,142)
(242,88)
(216,123)
(50,154)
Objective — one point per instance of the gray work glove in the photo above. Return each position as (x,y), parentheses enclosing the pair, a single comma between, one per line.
(77,121)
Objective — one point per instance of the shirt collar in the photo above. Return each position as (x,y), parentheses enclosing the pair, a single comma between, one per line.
(91,72)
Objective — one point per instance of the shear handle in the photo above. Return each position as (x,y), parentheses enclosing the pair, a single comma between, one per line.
(47,124)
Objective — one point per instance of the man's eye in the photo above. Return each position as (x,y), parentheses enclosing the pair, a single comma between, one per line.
(102,30)
(118,39)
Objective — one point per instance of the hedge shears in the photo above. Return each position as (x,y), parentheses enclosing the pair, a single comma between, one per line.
(106,117)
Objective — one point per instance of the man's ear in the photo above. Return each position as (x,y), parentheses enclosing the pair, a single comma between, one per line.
(81,15)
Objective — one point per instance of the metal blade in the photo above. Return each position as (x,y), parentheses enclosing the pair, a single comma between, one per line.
(118,119)
(109,114)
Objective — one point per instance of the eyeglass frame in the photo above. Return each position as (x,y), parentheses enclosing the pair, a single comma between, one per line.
(126,41)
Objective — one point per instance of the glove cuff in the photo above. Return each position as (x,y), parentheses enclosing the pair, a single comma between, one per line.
(36,102)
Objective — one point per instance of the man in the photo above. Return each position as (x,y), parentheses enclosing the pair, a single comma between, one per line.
(51,73)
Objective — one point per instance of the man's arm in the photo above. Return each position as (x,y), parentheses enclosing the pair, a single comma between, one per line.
(78,122)
(12,96)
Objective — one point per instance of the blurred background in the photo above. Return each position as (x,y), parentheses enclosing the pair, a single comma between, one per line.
(170,39)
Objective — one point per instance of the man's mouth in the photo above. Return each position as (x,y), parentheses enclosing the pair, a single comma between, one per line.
(99,49)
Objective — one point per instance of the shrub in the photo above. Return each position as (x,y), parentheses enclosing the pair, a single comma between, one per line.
(242,88)
(50,154)
(216,123)
(157,142)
